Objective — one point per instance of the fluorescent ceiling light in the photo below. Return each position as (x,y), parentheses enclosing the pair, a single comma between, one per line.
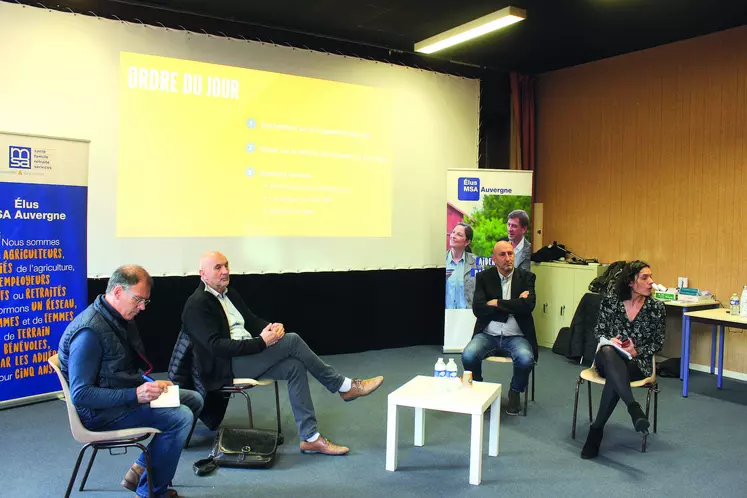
(473,29)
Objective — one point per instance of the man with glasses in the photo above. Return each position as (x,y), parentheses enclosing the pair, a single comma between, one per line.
(103,359)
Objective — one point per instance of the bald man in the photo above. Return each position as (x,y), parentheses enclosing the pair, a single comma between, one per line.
(503,303)
(231,342)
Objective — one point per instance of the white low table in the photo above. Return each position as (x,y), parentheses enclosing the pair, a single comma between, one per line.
(430,393)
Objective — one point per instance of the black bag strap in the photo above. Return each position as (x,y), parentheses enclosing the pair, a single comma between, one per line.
(204,466)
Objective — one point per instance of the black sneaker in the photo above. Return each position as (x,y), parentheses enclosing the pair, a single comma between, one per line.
(514,403)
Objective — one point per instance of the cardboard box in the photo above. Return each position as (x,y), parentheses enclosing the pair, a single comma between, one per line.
(694,299)
(665,296)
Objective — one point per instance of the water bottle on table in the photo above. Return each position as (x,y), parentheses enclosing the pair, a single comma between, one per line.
(743,303)
(734,305)
(440,369)
(451,369)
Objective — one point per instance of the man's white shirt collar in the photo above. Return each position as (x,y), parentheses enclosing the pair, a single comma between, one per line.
(214,292)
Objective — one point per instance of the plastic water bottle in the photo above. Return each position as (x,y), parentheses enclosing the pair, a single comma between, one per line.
(451,369)
(743,303)
(440,369)
(734,305)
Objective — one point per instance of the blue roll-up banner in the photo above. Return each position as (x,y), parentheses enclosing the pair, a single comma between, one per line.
(480,200)
(43,208)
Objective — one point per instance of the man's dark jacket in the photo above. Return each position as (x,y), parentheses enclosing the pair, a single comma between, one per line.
(205,322)
(488,287)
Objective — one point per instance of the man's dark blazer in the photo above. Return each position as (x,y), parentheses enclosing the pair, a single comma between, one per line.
(488,287)
(206,324)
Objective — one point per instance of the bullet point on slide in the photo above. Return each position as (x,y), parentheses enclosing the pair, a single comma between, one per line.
(251,123)
(250,147)
(249,172)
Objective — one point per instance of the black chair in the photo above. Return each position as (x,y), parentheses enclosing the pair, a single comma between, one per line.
(242,386)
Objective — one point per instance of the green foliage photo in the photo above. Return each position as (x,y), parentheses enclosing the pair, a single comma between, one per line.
(489,223)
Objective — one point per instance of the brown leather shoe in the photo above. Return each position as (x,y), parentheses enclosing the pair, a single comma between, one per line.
(362,388)
(324,446)
(132,477)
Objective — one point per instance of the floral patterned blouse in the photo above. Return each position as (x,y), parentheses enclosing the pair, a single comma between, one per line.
(646,329)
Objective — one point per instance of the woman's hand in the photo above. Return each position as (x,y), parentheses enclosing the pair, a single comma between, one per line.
(630,347)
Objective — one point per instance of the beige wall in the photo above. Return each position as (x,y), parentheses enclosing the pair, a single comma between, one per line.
(644,156)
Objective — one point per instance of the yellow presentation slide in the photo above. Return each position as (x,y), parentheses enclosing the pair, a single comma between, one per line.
(207,150)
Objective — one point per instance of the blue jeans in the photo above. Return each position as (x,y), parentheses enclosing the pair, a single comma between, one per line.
(291,359)
(165,448)
(517,347)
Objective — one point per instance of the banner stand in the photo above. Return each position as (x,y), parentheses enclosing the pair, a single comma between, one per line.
(43,216)
(478,203)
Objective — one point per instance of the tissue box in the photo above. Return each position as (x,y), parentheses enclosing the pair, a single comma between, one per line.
(689,291)
(665,296)
(684,298)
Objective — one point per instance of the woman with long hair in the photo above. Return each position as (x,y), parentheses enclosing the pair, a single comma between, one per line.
(460,262)
(634,321)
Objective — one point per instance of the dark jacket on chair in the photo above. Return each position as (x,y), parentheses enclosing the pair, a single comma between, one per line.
(488,286)
(183,372)
(583,343)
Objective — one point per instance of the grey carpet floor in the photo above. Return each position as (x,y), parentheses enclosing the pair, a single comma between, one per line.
(700,449)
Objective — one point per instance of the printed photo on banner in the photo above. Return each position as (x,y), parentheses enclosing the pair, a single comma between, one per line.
(483,207)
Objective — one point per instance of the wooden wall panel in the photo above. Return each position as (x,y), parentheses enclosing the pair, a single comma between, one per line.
(644,156)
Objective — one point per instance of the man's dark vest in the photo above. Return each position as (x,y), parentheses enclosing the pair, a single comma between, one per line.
(119,349)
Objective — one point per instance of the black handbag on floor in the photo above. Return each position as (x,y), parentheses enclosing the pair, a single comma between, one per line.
(245,448)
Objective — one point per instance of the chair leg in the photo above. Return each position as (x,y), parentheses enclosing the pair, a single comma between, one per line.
(88,469)
(533,382)
(249,408)
(591,418)
(148,473)
(189,438)
(656,405)
(75,470)
(648,402)
(575,408)
(277,406)
(526,399)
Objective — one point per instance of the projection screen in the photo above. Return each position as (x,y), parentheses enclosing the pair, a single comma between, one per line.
(284,159)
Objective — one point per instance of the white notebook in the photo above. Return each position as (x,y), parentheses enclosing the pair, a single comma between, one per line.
(603,341)
(169,399)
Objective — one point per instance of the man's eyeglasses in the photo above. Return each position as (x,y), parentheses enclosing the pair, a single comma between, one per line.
(139,300)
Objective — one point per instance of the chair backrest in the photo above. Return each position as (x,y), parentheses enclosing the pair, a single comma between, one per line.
(80,433)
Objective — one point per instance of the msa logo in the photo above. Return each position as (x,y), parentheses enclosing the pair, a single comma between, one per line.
(469,189)
(20,157)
